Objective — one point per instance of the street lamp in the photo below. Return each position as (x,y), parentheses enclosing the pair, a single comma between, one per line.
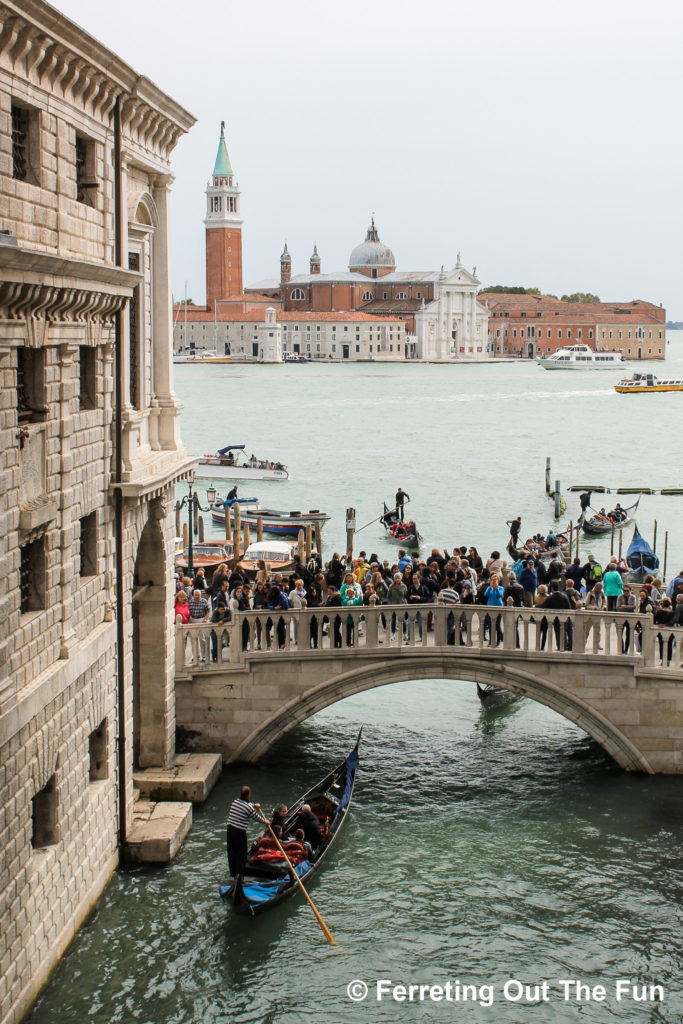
(191,499)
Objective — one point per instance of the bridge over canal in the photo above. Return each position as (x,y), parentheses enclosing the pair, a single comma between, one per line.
(618,677)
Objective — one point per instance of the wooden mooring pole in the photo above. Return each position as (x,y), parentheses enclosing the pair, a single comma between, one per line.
(259,528)
(178,529)
(309,541)
(666,550)
(237,531)
(557,499)
(654,539)
(547,475)
(318,537)
(350,530)
(228,523)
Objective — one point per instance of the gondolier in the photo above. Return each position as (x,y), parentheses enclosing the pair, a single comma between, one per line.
(399,501)
(241,810)
(232,494)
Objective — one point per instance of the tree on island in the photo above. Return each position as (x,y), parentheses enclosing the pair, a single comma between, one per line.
(505,289)
(581,297)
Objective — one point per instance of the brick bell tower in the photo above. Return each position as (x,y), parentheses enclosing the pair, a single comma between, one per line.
(223,230)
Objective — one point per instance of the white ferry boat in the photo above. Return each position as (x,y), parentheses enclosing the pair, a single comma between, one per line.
(644,382)
(582,357)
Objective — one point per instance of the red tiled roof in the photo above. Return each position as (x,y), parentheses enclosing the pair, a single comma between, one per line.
(224,314)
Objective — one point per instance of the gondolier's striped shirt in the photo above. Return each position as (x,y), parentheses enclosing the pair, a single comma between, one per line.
(240,813)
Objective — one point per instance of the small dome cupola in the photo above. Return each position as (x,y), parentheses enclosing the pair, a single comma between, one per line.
(315,261)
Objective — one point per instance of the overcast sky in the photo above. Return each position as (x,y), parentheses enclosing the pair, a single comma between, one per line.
(542,140)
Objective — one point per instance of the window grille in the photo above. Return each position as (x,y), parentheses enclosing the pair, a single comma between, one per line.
(133,321)
(19,143)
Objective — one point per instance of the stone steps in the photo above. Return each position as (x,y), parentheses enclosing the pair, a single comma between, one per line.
(191,777)
(157,831)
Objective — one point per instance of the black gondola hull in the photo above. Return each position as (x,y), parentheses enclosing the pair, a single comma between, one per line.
(340,782)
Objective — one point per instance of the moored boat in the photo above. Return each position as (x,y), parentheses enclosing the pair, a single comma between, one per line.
(642,383)
(277,555)
(582,357)
(206,555)
(226,465)
(282,524)
(266,884)
(640,559)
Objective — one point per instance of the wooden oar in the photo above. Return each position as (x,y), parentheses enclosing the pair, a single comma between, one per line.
(326,931)
(387,513)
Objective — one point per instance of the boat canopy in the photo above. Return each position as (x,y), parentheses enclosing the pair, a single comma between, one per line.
(269,551)
(231,447)
(640,555)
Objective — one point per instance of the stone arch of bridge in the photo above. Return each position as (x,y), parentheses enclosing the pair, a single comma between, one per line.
(519,680)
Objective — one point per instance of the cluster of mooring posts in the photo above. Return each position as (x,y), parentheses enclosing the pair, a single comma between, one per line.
(237,532)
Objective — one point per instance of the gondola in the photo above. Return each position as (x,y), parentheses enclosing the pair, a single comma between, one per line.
(640,559)
(405,533)
(265,885)
(598,525)
(495,696)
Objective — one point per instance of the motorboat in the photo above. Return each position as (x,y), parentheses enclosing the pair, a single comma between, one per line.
(642,383)
(582,357)
(207,555)
(278,556)
(229,464)
(282,524)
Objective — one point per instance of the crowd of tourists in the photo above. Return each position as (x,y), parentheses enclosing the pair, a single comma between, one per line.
(458,577)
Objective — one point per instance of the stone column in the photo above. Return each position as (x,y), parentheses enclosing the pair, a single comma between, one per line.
(162,321)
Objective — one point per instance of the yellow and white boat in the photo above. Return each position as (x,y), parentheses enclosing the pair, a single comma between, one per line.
(643,382)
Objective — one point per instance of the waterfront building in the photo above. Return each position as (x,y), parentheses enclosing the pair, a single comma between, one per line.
(535,325)
(439,313)
(91,452)
(273,336)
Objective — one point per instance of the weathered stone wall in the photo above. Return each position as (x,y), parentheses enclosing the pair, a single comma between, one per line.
(47,891)
(60,293)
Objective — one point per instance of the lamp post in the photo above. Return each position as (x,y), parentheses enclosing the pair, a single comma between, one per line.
(191,499)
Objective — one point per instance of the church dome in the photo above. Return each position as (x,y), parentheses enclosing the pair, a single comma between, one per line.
(372,253)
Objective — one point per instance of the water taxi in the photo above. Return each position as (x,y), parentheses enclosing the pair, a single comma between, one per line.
(642,382)
(582,357)
(226,465)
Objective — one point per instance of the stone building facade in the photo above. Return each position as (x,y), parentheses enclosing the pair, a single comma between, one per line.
(538,325)
(274,336)
(90,452)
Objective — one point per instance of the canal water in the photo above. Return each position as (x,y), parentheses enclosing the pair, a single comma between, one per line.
(486,849)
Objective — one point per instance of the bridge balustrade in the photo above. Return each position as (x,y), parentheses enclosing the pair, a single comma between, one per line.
(460,628)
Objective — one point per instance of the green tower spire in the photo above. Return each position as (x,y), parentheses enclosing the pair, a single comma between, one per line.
(222,159)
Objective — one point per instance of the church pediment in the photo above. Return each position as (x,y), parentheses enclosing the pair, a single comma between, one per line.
(458,276)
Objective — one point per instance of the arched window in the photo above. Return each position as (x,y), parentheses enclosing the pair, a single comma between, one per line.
(297,294)
(402,295)
(367,296)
